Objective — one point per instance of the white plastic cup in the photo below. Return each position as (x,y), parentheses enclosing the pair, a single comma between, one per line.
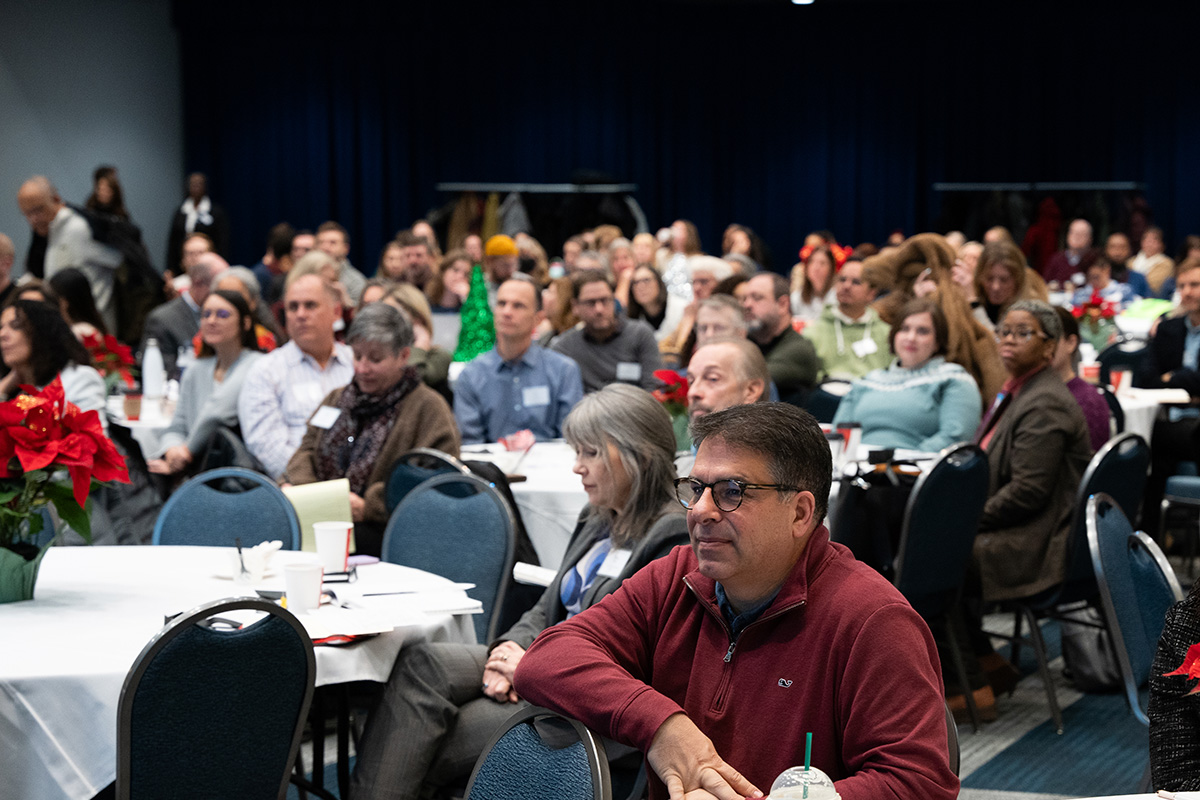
(302,583)
(333,544)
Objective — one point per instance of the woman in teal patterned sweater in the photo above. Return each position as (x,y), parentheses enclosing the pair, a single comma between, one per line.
(921,402)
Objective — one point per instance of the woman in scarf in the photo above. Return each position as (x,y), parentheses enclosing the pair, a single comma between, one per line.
(360,430)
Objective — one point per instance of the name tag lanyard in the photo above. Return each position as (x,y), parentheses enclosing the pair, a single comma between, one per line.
(841,341)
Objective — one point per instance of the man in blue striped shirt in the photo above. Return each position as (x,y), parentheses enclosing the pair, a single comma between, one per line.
(517,384)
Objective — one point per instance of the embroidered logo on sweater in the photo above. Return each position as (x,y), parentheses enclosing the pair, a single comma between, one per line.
(784,682)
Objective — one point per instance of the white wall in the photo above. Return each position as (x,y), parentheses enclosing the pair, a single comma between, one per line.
(84,83)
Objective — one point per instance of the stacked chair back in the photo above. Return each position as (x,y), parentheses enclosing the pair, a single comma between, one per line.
(207,712)
(415,467)
(1119,470)
(1137,587)
(221,505)
(937,536)
(539,755)
(459,527)
(940,522)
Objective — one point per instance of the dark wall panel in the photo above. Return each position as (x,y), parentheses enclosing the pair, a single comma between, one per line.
(841,114)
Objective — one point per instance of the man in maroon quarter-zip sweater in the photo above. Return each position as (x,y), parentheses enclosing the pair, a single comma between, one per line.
(718,658)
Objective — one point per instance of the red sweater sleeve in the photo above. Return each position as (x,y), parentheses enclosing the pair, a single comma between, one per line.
(598,672)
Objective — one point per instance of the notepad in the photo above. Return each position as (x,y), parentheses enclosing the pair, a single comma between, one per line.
(324,501)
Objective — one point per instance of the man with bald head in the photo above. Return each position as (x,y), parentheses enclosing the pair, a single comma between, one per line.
(175,323)
(1077,257)
(725,372)
(63,238)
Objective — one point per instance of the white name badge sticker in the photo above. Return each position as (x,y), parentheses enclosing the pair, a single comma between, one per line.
(535,396)
(864,347)
(629,371)
(325,417)
(614,562)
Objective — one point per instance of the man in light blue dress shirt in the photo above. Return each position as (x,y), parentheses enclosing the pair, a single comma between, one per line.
(517,384)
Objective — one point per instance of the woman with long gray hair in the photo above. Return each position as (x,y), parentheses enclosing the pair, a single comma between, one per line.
(443,701)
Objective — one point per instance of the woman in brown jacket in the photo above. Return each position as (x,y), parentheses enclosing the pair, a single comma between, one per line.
(360,430)
(1038,447)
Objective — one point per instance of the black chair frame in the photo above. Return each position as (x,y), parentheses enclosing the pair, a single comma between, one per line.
(947,580)
(168,634)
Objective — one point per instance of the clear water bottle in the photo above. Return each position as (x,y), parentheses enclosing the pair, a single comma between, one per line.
(184,358)
(154,376)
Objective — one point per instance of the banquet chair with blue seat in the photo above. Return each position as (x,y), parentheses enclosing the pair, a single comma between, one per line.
(539,755)
(459,527)
(217,507)
(414,468)
(212,710)
(1137,586)
(1118,469)
(936,539)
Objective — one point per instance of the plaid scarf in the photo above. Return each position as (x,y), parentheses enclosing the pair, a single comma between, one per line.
(351,446)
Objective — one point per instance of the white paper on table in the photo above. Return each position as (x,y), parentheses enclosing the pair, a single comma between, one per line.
(450,601)
(336,621)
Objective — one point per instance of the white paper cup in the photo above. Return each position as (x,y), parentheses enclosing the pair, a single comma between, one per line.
(1118,378)
(333,544)
(302,583)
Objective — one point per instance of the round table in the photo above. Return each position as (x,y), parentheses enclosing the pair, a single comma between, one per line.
(69,649)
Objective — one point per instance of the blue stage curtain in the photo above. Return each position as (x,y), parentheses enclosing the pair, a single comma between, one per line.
(838,115)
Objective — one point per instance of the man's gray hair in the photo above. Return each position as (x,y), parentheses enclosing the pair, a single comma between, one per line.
(245,277)
(1043,313)
(728,303)
(207,267)
(380,323)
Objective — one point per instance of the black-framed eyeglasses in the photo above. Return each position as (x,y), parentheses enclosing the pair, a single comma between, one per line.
(1020,334)
(727,493)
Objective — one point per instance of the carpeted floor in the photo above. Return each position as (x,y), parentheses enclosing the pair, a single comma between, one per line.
(1102,750)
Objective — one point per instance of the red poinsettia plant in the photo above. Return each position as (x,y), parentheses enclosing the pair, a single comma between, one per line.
(113,359)
(1096,308)
(674,394)
(1190,667)
(41,435)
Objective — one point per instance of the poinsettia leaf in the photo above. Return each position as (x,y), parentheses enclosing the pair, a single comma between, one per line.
(7,494)
(1189,660)
(63,497)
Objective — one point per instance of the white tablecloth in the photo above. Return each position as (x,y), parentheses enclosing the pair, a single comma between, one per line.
(1141,407)
(66,653)
(146,428)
